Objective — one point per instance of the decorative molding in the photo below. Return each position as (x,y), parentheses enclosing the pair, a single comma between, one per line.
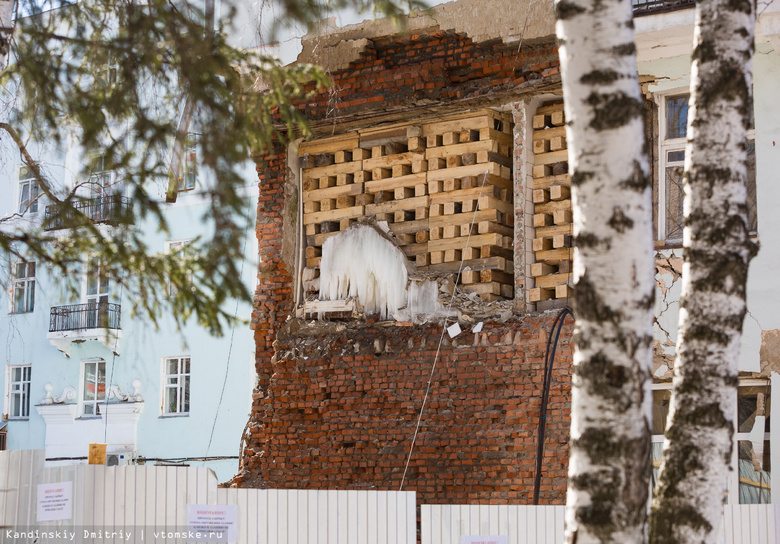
(69,393)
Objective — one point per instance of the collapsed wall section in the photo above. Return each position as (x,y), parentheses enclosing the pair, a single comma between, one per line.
(337,402)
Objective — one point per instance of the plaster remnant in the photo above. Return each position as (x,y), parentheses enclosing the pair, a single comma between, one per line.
(770,352)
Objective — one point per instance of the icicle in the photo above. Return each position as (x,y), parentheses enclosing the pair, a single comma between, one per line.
(360,262)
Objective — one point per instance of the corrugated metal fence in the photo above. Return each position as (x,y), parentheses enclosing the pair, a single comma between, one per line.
(445,524)
(150,503)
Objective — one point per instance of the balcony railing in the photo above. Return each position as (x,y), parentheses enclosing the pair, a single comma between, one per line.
(644,7)
(111,209)
(76,317)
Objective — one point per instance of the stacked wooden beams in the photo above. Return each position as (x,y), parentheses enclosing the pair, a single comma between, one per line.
(552,207)
(443,187)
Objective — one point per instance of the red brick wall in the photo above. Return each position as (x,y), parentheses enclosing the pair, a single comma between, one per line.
(428,69)
(337,403)
(341,409)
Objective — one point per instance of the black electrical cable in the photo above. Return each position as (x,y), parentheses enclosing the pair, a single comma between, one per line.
(549,358)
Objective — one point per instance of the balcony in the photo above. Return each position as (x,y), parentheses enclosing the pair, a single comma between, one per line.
(83,322)
(645,7)
(109,209)
(78,317)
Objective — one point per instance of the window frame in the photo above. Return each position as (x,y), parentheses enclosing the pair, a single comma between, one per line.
(171,247)
(19,388)
(182,387)
(189,163)
(27,283)
(98,174)
(97,401)
(664,146)
(30,204)
(734,477)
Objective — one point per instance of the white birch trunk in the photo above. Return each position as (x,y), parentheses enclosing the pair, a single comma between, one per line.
(717,250)
(609,464)
(6,30)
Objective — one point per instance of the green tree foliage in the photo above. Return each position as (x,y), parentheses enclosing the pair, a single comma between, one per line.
(132,79)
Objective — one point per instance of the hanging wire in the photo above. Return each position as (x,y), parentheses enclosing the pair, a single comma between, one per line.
(441,338)
(549,359)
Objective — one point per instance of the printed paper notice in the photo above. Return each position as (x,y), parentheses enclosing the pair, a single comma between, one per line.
(55,501)
(212,523)
(492,539)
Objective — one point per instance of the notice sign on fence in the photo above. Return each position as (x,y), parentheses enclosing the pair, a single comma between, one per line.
(55,501)
(212,523)
(492,539)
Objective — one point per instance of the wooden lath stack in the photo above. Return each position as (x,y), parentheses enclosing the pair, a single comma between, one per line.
(426,180)
(552,206)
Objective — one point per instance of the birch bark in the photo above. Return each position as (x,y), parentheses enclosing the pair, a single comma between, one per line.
(716,251)
(609,465)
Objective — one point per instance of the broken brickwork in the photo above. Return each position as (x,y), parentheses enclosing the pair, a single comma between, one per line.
(337,402)
(342,404)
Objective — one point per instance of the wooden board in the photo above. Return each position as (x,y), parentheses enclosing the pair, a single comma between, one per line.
(333,215)
(343,142)
(389,184)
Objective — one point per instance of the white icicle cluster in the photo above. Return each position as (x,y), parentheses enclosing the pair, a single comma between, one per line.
(360,262)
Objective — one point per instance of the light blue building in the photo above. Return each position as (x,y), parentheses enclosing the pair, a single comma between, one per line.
(80,369)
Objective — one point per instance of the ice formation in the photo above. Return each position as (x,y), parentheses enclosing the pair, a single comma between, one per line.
(361,262)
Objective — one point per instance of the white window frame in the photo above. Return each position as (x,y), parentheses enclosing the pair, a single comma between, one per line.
(181,385)
(25,283)
(101,298)
(664,146)
(28,205)
(108,71)
(173,246)
(96,402)
(733,479)
(738,436)
(20,388)
(100,179)
(189,163)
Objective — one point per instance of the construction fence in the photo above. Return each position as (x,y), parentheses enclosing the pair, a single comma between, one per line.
(163,504)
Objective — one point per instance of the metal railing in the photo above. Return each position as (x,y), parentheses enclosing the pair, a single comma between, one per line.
(75,317)
(111,209)
(646,7)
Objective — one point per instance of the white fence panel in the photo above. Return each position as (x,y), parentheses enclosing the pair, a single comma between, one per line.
(522,524)
(291,516)
(445,524)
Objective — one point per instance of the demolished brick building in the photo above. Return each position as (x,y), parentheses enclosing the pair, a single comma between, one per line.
(442,149)
(435,191)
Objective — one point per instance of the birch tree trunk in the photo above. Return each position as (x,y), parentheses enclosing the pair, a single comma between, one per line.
(609,464)
(716,252)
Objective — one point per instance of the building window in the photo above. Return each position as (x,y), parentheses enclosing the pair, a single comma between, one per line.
(175,247)
(24,288)
(19,392)
(101,177)
(189,163)
(176,387)
(28,190)
(752,478)
(97,293)
(93,387)
(107,69)
(753,452)
(674,116)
